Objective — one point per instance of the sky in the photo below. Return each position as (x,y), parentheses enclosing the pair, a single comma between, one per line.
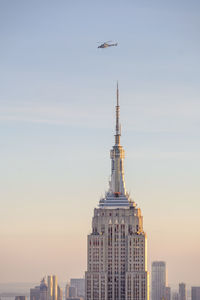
(57,110)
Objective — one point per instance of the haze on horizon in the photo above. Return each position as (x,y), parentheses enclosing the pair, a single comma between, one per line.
(57,101)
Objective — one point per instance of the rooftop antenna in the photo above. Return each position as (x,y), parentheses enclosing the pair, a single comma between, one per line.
(118,127)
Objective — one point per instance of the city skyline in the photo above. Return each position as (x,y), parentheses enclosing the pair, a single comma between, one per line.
(57,99)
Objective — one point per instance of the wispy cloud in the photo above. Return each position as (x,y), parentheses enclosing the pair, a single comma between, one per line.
(176,155)
(53,114)
(140,115)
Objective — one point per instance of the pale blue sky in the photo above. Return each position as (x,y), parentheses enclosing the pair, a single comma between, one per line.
(57,97)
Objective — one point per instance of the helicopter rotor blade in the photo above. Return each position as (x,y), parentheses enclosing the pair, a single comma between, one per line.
(104,42)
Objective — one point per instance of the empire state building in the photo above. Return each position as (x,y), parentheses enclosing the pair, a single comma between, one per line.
(117,246)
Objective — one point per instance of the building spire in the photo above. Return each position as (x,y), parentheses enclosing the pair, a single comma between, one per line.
(117,195)
(117,94)
(117,133)
(117,156)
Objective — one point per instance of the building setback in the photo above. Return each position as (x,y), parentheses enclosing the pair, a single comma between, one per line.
(117,250)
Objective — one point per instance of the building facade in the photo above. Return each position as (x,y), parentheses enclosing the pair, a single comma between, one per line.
(117,246)
(159,280)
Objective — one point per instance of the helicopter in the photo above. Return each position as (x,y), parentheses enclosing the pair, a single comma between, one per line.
(107,44)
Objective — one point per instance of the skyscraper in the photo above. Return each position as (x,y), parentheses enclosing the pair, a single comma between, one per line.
(117,258)
(158,285)
(52,287)
(182,291)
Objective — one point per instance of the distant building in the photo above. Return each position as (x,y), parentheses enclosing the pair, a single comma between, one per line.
(59,293)
(175,296)
(35,293)
(67,290)
(55,287)
(46,291)
(182,291)
(43,290)
(76,298)
(70,291)
(20,298)
(167,293)
(158,283)
(195,293)
(50,287)
(79,284)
